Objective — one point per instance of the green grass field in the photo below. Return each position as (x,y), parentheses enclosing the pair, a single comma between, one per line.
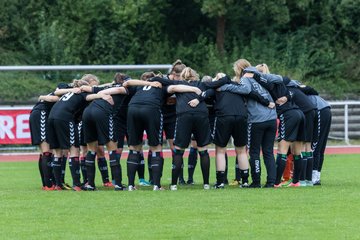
(327,212)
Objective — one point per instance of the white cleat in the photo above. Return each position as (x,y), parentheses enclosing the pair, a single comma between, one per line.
(156,188)
(131,188)
(206,187)
(173,187)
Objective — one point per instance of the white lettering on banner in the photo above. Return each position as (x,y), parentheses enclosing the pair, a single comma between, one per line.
(22,126)
(6,124)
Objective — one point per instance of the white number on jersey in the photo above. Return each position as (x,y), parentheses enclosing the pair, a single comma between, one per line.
(66,96)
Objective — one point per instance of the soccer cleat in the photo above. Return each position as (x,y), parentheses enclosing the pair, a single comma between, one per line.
(173,187)
(255,185)
(144,183)
(317,183)
(120,187)
(268,185)
(294,184)
(234,183)
(108,184)
(219,186)
(88,187)
(46,188)
(58,188)
(66,186)
(302,183)
(156,188)
(132,188)
(190,182)
(309,183)
(76,188)
(286,182)
(278,185)
(182,181)
(206,186)
(244,185)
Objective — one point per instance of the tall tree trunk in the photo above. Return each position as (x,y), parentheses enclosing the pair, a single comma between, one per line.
(220,33)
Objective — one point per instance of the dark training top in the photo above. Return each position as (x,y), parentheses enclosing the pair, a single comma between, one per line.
(69,107)
(182,99)
(147,96)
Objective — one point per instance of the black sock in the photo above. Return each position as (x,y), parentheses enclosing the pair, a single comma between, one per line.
(244,175)
(50,169)
(103,168)
(303,166)
(115,167)
(309,166)
(83,169)
(149,167)
(57,170)
(45,160)
(156,165)
(176,165)
(205,165)
(237,171)
(133,162)
(90,167)
(141,167)
(40,164)
(298,162)
(74,165)
(192,161)
(220,177)
(181,174)
(226,169)
(280,167)
(63,168)
(255,170)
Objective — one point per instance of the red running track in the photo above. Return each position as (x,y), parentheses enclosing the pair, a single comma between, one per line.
(30,157)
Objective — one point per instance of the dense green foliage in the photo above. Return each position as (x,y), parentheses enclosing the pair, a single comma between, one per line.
(326,212)
(316,42)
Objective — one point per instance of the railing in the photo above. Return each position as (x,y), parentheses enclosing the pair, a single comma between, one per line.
(85,67)
(346,105)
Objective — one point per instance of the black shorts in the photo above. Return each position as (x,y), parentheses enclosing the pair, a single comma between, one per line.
(98,125)
(169,127)
(62,134)
(146,119)
(230,126)
(291,123)
(39,126)
(306,134)
(121,129)
(192,123)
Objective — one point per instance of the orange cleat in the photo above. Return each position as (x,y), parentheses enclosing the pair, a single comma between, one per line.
(108,184)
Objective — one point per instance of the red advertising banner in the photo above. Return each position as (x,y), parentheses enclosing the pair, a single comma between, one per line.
(14,125)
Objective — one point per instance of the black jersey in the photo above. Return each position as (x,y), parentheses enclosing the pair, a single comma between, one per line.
(209,96)
(230,104)
(147,96)
(278,91)
(300,99)
(182,99)
(69,106)
(169,107)
(107,107)
(43,105)
(46,106)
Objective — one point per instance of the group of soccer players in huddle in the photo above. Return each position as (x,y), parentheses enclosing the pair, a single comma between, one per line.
(78,120)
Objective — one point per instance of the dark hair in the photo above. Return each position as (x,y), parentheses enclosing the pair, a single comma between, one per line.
(121,77)
(177,67)
(147,75)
